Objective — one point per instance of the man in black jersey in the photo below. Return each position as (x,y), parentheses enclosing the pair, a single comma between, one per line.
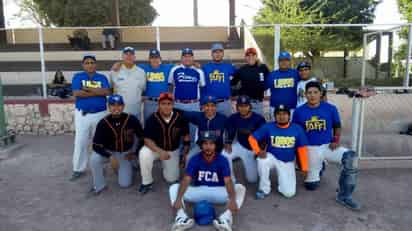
(114,137)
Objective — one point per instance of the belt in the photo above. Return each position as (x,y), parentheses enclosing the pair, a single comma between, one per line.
(255,101)
(155,99)
(221,100)
(88,112)
(187,101)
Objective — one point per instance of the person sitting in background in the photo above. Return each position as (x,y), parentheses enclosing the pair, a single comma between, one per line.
(109,35)
(80,40)
(59,86)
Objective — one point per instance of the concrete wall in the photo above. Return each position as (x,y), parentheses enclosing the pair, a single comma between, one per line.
(128,35)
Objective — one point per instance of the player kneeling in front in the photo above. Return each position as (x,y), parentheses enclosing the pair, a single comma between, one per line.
(284,140)
(209,174)
(322,126)
(114,136)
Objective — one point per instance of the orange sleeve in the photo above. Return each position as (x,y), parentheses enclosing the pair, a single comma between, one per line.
(254,144)
(303,158)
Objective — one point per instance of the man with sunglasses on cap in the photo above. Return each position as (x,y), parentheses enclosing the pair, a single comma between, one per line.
(185,82)
(239,126)
(282,84)
(114,137)
(90,90)
(157,74)
(164,132)
(322,125)
(218,75)
(129,81)
(252,77)
(305,74)
(207,178)
(284,141)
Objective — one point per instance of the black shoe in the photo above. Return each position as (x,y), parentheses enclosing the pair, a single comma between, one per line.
(143,189)
(93,193)
(76,175)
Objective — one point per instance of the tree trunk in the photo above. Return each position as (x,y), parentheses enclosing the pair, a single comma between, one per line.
(3,37)
(345,62)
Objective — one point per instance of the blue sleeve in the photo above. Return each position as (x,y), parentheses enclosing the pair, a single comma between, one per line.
(260,134)
(230,129)
(336,123)
(167,69)
(295,118)
(143,66)
(191,168)
(268,81)
(261,121)
(302,139)
(76,83)
(225,167)
(105,82)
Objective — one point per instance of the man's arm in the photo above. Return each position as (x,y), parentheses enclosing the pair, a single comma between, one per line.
(98,91)
(336,138)
(231,204)
(186,149)
(82,94)
(184,184)
(164,155)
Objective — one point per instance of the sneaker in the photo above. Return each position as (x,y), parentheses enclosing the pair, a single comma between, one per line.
(349,203)
(143,189)
(76,175)
(260,195)
(183,223)
(222,225)
(93,193)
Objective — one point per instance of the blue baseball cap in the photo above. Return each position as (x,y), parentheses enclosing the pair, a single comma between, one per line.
(89,56)
(128,49)
(217,46)
(208,99)
(282,107)
(116,99)
(284,55)
(243,99)
(154,53)
(206,135)
(204,213)
(187,51)
(304,64)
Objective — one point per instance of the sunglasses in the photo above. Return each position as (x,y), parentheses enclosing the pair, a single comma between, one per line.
(89,63)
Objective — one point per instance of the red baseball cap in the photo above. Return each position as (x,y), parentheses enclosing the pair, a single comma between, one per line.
(166,96)
(250,50)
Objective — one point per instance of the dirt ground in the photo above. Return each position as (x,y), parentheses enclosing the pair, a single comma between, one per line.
(35,194)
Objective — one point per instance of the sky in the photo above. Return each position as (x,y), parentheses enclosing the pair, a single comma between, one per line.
(211,12)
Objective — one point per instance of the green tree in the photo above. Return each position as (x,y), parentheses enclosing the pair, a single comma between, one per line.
(88,13)
(312,41)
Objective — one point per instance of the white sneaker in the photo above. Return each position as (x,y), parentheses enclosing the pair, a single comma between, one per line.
(183,223)
(222,224)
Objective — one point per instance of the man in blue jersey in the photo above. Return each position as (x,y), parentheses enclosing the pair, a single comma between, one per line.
(208,121)
(322,125)
(157,75)
(90,90)
(284,141)
(238,127)
(185,81)
(207,178)
(282,84)
(217,78)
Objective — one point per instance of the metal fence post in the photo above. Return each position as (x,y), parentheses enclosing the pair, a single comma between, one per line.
(365,50)
(42,63)
(276,46)
(408,58)
(158,38)
(3,129)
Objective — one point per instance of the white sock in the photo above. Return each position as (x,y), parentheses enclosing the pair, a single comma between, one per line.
(226,215)
(181,214)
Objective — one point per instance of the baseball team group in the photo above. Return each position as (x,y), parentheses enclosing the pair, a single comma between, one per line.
(182,115)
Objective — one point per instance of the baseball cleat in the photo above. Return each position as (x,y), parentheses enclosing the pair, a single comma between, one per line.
(182,224)
(222,225)
(145,188)
(349,203)
(260,195)
(93,193)
(76,175)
